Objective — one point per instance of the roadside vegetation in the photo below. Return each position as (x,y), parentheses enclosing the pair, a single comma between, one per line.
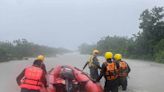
(147,44)
(19,49)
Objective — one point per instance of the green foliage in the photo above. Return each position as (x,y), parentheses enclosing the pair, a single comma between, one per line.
(146,44)
(152,26)
(114,44)
(159,57)
(159,51)
(18,49)
(160,46)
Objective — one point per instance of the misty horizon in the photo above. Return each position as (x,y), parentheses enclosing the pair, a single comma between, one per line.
(69,23)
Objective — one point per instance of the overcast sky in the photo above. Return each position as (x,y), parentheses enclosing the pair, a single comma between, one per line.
(68,23)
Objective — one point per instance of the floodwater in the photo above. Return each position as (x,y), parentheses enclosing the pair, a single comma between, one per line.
(144,77)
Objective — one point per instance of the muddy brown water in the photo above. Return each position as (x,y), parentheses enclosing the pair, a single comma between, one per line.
(144,77)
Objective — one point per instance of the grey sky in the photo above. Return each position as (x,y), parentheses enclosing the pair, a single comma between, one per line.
(68,23)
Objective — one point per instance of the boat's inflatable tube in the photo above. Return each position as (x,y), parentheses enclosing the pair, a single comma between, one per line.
(80,81)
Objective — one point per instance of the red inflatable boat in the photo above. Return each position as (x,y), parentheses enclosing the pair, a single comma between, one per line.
(71,79)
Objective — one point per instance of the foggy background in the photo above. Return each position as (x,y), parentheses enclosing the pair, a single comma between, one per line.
(68,23)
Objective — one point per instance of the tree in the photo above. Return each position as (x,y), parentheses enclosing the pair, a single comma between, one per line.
(148,43)
(114,44)
(152,26)
(21,48)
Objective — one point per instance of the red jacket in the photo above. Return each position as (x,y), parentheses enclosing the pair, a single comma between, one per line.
(32,77)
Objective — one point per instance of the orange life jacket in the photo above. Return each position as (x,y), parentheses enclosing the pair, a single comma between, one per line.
(111,71)
(123,68)
(32,78)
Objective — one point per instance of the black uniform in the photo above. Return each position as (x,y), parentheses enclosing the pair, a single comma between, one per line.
(110,85)
(43,66)
(123,79)
(27,90)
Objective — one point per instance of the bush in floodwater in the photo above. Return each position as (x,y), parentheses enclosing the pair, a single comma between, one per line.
(160,57)
(159,51)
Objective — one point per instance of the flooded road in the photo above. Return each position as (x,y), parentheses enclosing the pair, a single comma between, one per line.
(144,77)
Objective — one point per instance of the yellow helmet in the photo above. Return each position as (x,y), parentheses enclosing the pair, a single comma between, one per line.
(108,55)
(95,51)
(40,57)
(117,56)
